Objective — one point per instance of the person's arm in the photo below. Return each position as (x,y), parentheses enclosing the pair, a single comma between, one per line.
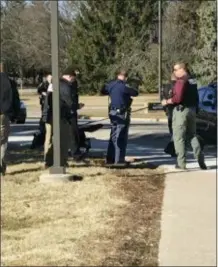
(104,90)
(42,88)
(131,91)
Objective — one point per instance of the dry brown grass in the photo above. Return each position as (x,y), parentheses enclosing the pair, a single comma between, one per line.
(32,102)
(111,217)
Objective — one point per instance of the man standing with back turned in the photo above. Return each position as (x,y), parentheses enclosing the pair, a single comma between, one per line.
(6,105)
(185,99)
(120,96)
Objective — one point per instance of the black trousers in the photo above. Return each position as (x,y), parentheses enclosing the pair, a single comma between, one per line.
(169,112)
(74,142)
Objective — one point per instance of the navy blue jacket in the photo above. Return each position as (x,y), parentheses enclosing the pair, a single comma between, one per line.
(120,93)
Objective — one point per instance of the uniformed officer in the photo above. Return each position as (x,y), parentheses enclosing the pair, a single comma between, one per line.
(119,113)
(185,99)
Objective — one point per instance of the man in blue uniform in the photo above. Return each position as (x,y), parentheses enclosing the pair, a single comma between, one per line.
(119,113)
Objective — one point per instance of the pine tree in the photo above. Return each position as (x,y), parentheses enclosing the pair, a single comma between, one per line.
(108,35)
(205,51)
(180,33)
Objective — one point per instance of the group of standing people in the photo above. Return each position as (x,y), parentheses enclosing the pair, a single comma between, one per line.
(181,103)
(119,112)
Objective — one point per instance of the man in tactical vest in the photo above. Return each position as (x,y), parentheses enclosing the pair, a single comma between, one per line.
(119,112)
(185,99)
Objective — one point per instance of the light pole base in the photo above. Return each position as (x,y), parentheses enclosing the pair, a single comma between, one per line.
(53,178)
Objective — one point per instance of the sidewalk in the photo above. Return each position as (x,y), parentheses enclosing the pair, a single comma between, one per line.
(188,226)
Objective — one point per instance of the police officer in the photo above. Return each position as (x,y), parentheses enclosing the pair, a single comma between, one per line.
(185,99)
(42,91)
(119,113)
(167,94)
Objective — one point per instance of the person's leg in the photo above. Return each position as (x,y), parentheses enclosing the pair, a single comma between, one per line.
(4,134)
(74,144)
(126,132)
(121,143)
(48,145)
(65,140)
(194,140)
(111,144)
(170,119)
(73,141)
(179,135)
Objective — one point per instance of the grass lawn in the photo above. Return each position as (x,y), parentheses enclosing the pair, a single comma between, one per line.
(110,217)
(32,102)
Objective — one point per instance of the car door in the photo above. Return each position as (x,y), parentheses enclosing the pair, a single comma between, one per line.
(207,116)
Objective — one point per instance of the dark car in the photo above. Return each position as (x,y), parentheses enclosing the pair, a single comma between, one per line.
(207,115)
(19,113)
(21,117)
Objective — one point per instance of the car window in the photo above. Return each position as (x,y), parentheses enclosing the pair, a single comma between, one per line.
(201,93)
(209,95)
(209,100)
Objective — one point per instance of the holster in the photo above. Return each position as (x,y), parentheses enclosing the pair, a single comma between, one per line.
(180,108)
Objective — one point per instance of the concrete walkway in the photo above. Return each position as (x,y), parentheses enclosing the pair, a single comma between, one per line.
(188,225)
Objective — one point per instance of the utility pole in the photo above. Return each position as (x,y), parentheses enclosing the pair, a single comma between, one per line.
(160,47)
(56,168)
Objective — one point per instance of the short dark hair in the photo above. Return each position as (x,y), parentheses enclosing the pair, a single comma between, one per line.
(122,72)
(47,72)
(69,71)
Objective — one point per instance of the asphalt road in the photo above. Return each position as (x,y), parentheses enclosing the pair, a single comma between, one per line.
(146,141)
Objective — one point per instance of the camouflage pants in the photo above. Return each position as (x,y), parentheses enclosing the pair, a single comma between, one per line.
(184,132)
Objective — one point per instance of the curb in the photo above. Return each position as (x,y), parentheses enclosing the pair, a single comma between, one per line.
(132,120)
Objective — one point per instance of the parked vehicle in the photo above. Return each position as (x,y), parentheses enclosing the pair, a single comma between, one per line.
(207,115)
(21,118)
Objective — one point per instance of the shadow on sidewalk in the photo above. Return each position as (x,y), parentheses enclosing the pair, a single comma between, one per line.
(148,149)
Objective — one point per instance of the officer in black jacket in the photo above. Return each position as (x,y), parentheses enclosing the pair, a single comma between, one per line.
(42,91)
(66,103)
(74,145)
(120,96)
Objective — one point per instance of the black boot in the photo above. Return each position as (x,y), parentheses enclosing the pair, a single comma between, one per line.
(3,168)
(201,162)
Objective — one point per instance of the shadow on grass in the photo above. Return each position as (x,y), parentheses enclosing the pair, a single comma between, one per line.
(76,178)
(28,156)
(25,171)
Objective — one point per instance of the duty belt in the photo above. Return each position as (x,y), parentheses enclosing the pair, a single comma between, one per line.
(181,107)
(119,110)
